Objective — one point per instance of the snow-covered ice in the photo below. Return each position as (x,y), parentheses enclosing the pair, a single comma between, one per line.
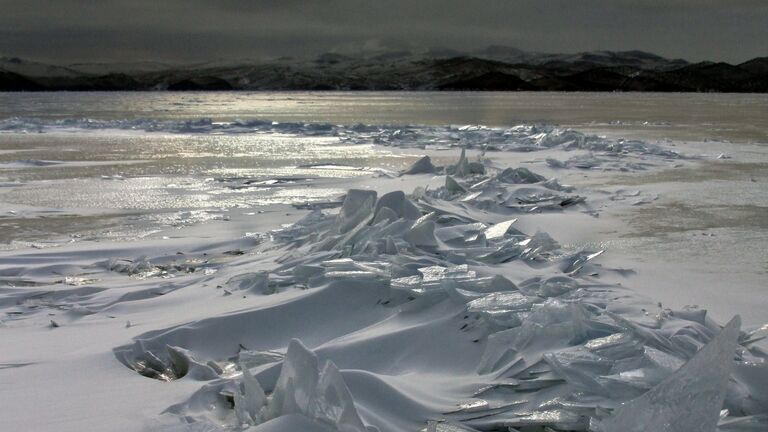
(427,300)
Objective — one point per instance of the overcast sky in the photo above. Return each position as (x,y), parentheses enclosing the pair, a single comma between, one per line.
(67,31)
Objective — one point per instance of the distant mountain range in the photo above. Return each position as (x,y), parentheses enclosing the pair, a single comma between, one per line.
(496,68)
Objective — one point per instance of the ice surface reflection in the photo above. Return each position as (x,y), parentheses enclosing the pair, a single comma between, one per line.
(88,183)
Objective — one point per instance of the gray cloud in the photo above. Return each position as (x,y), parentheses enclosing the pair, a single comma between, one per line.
(198,30)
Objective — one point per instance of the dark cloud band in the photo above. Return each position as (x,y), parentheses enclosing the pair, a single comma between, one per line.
(192,30)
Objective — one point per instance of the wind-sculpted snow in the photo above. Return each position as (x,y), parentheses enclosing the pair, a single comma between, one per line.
(601,152)
(431,311)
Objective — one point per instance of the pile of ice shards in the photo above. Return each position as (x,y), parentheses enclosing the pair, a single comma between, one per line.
(320,395)
(562,350)
(601,152)
(524,138)
(512,190)
(316,396)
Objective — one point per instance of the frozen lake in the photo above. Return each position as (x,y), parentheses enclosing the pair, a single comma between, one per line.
(536,271)
(692,116)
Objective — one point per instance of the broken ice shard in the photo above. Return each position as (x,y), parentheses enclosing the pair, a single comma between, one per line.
(250,400)
(688,400)
(421,166)
(520,176)
(385,214)
(499,230)
(296,384)
(257,283)
(333,403)
(461,169)
(397,202)
(358,206)
(512,301)
(452,186)
(422,234)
